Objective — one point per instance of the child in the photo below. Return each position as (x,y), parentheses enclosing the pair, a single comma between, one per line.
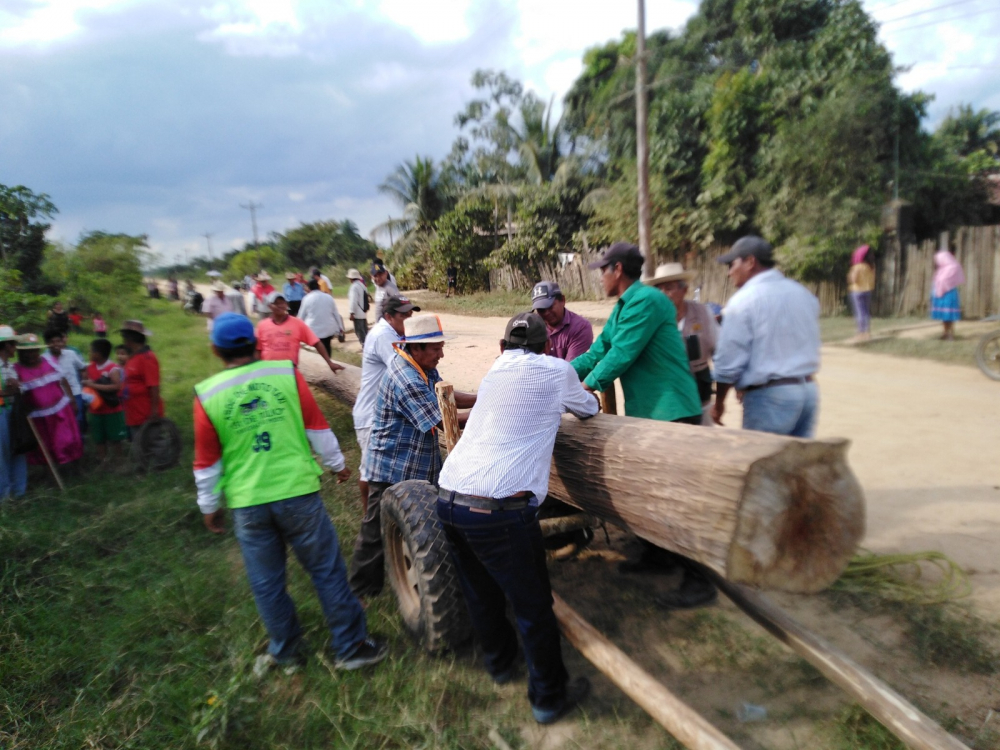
(107,421)
(75,319)
(70,364)
(100,326)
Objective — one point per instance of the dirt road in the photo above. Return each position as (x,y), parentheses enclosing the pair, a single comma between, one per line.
(922,434)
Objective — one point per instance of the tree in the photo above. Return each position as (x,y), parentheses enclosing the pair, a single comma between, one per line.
(102,272)
(321,243)
(251,260)
(22,235)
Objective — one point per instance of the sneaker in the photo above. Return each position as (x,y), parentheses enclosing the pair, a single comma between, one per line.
(369,652)
(576,691)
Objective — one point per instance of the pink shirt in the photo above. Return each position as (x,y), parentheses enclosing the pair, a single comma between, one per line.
(282,341)
(572,338)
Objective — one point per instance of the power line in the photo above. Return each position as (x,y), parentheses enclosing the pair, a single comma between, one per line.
(928,10)
(252,207)
(946,20)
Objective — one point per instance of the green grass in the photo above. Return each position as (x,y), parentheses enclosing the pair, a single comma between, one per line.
(480,304)
(843,327)
(855,729)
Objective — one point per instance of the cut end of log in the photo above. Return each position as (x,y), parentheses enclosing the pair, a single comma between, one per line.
(800,519)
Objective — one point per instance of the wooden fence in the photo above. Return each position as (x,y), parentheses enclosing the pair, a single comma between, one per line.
(902,286)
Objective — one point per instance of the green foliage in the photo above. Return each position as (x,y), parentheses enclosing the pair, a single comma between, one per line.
(103,272)
(465,237)
(547,219)
(19,308)
(323,243)
(254,260)
(856,729)
(22,236)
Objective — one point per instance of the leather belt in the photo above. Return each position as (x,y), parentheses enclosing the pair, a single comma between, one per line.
(518,502)
(780,381)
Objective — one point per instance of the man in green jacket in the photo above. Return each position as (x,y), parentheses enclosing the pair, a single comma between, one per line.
(641,346)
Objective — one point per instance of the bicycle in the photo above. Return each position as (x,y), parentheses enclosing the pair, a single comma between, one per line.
(988,352)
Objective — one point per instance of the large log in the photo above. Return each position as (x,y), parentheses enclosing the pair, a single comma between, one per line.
(757,509)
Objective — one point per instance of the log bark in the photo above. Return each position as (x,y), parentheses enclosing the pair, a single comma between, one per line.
(666,708)
(759,509)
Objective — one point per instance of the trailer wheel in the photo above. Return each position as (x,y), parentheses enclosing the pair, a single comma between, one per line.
(420,571)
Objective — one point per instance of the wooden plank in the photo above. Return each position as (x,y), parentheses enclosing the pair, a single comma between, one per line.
(449,414)
(689,727)
(890,708)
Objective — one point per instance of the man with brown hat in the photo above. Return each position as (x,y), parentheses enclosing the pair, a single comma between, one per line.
(697,325)
(403,443)
(142,376)
(493,481)
(357,303)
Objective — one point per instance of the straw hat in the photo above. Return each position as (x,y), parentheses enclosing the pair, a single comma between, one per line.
(7,334)
(218,286)
(135,326)
(29,341)
(670,272)
(354,273)
(290,276)
(424,329)
(263,276)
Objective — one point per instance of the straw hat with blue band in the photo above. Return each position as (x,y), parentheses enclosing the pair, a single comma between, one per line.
(423,329)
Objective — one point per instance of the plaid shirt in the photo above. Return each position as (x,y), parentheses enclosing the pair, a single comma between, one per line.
(403,443)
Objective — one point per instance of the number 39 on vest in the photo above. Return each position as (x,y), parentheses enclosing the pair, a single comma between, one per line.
(256,412)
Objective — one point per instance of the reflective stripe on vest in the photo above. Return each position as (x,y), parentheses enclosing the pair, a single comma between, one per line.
(256,412)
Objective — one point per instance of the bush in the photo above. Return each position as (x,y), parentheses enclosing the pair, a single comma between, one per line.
(103,272)
(23,311)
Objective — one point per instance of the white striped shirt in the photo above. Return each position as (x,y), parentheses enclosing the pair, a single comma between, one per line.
(507,444)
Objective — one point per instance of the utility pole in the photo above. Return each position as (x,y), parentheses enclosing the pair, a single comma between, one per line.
(208,239)
(641,141)
(252,208)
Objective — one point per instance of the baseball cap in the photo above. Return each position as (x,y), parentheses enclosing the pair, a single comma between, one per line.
(544,294)
(749,246)
(618,252)
(231,330)
(525,328)
(399,305)
(274,297)
(378,268)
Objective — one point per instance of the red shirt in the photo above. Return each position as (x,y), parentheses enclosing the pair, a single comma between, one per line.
(94,373)
(208,448)
(261,290)
(142,372)
(282,341)
(75,319)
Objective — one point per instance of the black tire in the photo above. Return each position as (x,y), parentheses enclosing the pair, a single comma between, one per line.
(420,571)
(988,355)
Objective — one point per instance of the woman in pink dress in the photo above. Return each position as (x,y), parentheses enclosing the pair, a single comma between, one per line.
(52,405)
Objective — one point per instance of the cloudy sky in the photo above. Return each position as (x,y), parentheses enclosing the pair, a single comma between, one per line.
(163,116)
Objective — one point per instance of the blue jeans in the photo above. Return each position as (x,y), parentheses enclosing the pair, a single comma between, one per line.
(784,409)
(302,522)
(81,414)
(499,556)
(13,469)
(862,304)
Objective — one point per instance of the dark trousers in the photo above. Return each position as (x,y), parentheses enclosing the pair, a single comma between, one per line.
(293,307)
(326,342)
(499,557)
(367,574)
(361,329)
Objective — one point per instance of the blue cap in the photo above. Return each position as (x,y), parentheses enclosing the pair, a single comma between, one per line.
(231,330)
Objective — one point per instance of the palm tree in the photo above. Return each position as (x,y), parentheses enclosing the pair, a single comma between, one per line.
(419,190)
(538,141)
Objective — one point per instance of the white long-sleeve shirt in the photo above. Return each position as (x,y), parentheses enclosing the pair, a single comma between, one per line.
(375,359)
(507,444)
(319,312)
(355,299)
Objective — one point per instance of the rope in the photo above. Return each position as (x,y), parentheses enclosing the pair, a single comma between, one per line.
(898,577)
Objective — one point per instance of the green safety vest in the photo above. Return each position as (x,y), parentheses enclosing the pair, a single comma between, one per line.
(256,412)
